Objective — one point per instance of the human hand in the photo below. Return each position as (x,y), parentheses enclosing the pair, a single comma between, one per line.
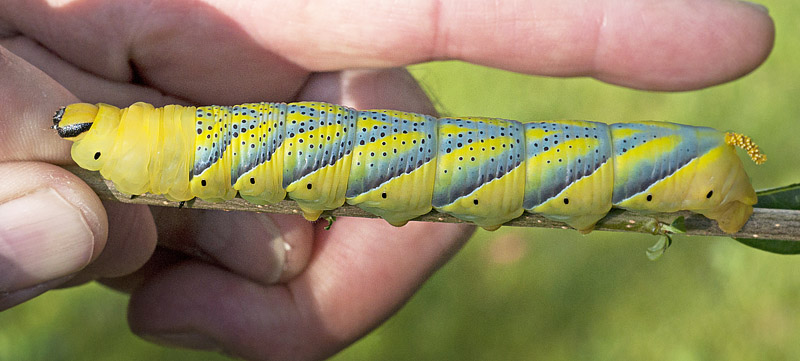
(334,285)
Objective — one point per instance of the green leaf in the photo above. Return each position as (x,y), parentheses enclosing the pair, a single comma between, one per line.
(677,226)
(657,250)
(772,245)
(330,219)
(787,197)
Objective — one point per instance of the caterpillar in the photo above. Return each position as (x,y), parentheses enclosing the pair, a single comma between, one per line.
(400,165)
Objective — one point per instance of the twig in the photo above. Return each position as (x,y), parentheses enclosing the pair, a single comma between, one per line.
(765,223)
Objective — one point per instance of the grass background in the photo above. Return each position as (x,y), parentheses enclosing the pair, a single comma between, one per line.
(550,294)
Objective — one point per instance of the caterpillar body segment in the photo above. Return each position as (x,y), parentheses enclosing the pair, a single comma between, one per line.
(317,158)
(392,173)
(401,165)
(479,173)
(258,154)
(570,171)
(696,169)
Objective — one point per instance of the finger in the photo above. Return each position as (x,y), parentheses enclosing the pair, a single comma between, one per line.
(160,261)
(649,44)
(51,226)
(362,271)
(87,86)
(264,248)
(131,242)
(392,88)
(260,249)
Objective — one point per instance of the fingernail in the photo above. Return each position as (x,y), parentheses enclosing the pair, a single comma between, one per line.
(42,237)
(279,249)
(759,7)
(190,340)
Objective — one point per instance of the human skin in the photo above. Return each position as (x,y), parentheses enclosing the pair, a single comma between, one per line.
(281,287)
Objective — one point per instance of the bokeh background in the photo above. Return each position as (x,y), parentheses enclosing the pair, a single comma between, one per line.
(522,293)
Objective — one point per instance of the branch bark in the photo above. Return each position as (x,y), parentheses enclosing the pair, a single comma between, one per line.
(765,223)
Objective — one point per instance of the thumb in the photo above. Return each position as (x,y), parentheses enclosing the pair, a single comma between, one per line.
(51,223)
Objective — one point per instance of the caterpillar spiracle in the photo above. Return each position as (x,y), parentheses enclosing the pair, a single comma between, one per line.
(400,165)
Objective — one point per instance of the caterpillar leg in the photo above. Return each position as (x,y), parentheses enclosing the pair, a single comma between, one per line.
(311,214)
(398,224)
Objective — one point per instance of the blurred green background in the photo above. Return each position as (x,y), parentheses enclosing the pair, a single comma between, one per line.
(548,294)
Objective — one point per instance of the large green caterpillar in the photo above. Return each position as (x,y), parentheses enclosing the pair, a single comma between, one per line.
(399,165)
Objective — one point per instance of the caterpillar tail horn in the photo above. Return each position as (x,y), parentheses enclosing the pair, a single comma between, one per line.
(747,144)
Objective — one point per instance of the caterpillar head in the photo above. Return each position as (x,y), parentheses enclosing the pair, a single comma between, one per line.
(93,129)
(73,121)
